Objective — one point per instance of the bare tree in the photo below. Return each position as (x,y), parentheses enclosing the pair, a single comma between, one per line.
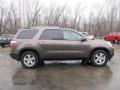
(99,22)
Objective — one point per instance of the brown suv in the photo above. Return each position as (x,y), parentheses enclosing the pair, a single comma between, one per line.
(33,46)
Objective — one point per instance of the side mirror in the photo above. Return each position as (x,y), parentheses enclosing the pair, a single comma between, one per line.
(83,39)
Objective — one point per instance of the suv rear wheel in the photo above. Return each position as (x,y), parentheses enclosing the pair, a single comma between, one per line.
(29,59)
(99,58)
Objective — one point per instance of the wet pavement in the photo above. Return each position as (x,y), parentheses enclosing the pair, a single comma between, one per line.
(59,75)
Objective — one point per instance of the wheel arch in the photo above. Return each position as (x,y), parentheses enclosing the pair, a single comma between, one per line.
(100,48)
(28,49)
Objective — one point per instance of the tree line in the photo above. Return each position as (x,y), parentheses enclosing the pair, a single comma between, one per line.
(99,22)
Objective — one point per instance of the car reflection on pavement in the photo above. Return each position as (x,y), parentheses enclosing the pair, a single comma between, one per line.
(63,77)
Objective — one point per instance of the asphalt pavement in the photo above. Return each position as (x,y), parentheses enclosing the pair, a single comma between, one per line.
(59,75)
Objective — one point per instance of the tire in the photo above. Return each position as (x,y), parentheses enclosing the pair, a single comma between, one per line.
(3,46)
(41,63)
(99,58)
(29,59)
(116,41)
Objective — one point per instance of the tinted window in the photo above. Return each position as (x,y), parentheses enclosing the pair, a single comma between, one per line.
(52,35)
(27,34)
(70,35)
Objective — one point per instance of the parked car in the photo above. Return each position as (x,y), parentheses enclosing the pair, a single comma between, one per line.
(113,37)
(5,39)
(87,35)
(33,46)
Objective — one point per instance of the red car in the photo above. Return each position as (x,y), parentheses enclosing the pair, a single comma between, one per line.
(113,37)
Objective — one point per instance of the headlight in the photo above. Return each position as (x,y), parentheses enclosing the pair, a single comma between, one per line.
(109,44)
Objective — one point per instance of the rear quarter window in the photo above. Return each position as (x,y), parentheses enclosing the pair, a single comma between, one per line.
(27,34)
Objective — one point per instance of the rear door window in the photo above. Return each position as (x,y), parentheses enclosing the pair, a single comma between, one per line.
(27,34)
(51,34)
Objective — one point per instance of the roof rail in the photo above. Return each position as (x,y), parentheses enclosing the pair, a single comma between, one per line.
(46,27)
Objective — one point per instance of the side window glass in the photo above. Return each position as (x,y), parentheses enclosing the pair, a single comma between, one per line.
(27,34)
(70,35)
(51,34)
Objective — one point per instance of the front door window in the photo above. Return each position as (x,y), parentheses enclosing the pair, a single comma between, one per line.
(72,36)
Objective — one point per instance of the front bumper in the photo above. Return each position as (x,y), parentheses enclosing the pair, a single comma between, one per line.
(111,54)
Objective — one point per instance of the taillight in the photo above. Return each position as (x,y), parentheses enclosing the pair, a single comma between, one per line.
(13,44)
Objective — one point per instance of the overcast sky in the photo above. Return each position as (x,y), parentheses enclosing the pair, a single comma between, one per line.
(71,3)
(89,5)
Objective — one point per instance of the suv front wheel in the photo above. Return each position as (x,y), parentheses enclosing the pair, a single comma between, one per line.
(99,58)
(29,59)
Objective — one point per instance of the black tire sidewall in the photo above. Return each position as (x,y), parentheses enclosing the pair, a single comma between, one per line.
(3,46)
(36,59)
(99,51)
(41,62)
